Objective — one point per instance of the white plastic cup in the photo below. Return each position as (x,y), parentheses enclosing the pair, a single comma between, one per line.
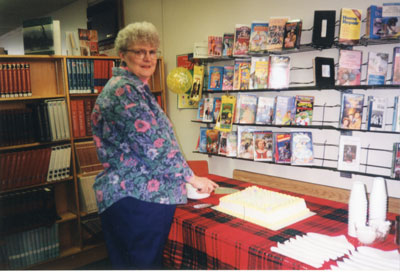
(378,201)
(358,206)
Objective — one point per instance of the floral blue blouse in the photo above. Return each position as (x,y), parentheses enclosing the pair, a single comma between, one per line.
(136,145)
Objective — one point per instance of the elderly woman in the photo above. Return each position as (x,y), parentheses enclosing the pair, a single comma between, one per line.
(145,172)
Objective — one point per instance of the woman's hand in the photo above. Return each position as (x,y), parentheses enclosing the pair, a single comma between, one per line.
(202,184)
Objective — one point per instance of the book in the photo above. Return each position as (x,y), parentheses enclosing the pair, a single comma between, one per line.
(246,106)
(265,110)
(71,42)
(276,32)
(376,112)
(350,26)
(214,46)
(225,118)
(86,157)
(93,42)
(241,78)
(396,114)
(323,32)
(258,36)
(87,195)
(395,169)
(324,72)
(304,110)
(200,50)
(84,41)
(351,111)
(242,39)
(282,152)
(279,72)
(228,40)
(263,145)
(302,151)
(197,87)
(377,68)
(217,107)
(391,20)
(245,145)
(227,79)
(41,36)
(373,28)
(208,115)
(203,140)
(200,110)
(231,144)
(349,69)
(222,143)
(212,141)
(396,66)
(215,78)
(349,153)
(259,73)
(284,110)
(292,35)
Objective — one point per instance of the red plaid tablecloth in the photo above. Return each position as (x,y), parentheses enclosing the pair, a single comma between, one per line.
(208,239)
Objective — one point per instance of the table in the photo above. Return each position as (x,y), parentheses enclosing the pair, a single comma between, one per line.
(208,239)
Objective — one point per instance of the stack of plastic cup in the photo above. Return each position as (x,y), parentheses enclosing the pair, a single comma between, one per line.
(378,202)
(358,207)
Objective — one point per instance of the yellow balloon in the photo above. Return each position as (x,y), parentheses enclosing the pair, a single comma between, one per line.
(179,80)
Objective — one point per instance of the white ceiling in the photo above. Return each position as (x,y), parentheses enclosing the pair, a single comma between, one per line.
(14,12)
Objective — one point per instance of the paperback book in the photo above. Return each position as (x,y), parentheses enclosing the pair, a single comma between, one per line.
(215,78)
(227,80)
(292,34)
(227,44)
(214,46)
(395,169)
(212,136)
(222,143)
(396,114)
(302,148)
(217,107)
(349,153)
(279,72)
(265,110)
(208,115)
(241,78)
(231,144)
(242,39)
(376,113)
(258,36)
(304,110)
(282,153)
(197,87)
(202,147)
(263,145)
(396,66)
(247,106)
(259,73)
(373,28)
(276,32)
(350,26)
(391,20)
(245,143)
(377,68)
(225,117)
(351,111)
(200,110)
(285,110)
(349,70)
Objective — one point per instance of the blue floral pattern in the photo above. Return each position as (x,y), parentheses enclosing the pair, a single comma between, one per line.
(136,145)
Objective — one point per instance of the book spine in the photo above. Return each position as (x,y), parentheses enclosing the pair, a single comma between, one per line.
(28,78)
(19,79)
(75,120)
(81,118)
(88,110)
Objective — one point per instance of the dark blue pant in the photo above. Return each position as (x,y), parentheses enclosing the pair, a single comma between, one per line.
(135,233)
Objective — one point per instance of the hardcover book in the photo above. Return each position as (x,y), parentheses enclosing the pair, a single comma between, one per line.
(349,70)
(245,143)
(227,80)
(247,106)
(373,28)
(351,111)
(304,110)
(282,152)
(396,66)
(395,169)
(276,32)
(323,32)
(241,78)
(197,87)
(377,68)
(212,141)
(302,148)
(215,78)
(258,36)
(285,110)
(396,114)
(228,40)
(349,153)
(324,72)
(242,39)
(279,72)
(350,26)
(376,113)
(292,34)
(214,46)
(263,145)
(391,20)
(259,73)
(265,110)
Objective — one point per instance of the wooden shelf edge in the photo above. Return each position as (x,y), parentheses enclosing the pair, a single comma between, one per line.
(67,216)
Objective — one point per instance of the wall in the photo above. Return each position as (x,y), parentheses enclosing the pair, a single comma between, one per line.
(183,22)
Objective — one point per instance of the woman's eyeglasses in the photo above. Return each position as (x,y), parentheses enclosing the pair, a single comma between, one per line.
(141,53)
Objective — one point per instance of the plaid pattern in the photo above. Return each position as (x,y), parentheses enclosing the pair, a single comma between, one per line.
(208,239)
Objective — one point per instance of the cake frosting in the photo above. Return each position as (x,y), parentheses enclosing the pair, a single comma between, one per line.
(269,209)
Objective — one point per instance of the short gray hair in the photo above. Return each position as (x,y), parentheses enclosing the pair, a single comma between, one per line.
(136,33)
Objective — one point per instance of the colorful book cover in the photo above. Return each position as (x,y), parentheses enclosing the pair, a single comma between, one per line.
(259,73)
(242,39)
(350,26)
(285,110)
(391,20)
(203,140)
(377,68)
(247,106)
(245,143)
(396,114)
(395,170)
(215,78)
(396,66)
(258,36)
(304,110)
(349,153)
(200,110)
(279,72)
(373,28)
(349,70)
(214,46)
(292,34)
(282,153)
(241,78)
(227,81)
(265,110)
(217,107)
(351,111)
(212,141)
(231,144)
(276,32)
(302,148)
(228,40)
(208,115)
(263,145)
(225,117)
(197,87)
(376,109)
(222,143)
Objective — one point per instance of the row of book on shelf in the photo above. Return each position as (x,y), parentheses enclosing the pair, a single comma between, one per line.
(282,33)
(15,79)
(89,75)
(296,110)
(295,148)
(81,110)
(35,166)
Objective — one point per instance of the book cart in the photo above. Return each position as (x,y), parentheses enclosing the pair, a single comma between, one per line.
(325,161)
(48,220)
